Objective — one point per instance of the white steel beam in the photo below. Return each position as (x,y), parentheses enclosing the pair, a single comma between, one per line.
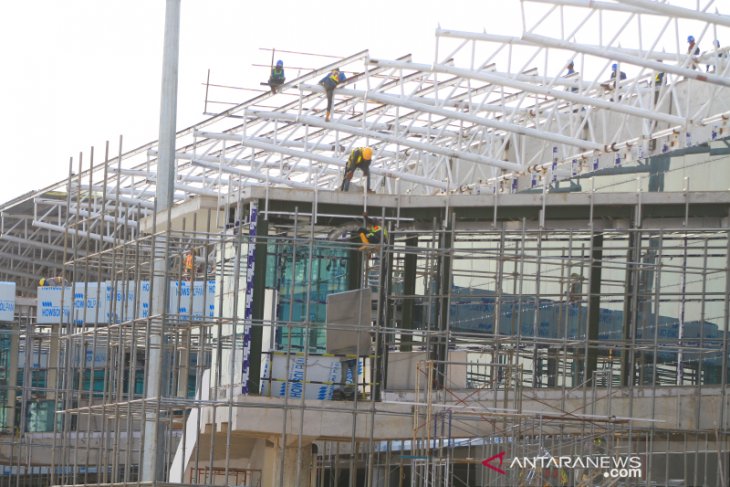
(465,117)
(388,126)
(80,233)
(251,174)
(326,160)
(608,53)
(12,272)
(221,161)
(107,218)
(486,37)
(674,11)
(431,148)
(595,4)
(31,260)
(548,91)
(41,245)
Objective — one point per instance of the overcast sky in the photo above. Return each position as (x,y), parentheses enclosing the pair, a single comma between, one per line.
(79,72)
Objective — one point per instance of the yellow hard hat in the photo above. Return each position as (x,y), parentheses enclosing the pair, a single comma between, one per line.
(367,153)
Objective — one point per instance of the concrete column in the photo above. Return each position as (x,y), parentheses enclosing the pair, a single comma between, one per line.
(258,306)
(439,348)
(270,473)
(409,290)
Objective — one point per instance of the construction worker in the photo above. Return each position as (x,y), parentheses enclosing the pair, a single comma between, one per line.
(616,75)
(570,73)
(277,77)
(52,281)
(719,55)
(329,83)
(372,233)
(359,158)
(189,265)
(693,50)
(659,78)
(575,288)
(613,83)
(348,379)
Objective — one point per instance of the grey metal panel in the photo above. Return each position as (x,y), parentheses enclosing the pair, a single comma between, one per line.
(348,322)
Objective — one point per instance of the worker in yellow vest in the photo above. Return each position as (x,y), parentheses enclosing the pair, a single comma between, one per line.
(329,83)
(189,265)
(360,158)
(372,233)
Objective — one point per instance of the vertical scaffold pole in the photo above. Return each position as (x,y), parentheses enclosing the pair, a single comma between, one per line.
(153,455)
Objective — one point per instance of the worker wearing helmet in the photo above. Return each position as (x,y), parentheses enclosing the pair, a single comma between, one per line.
(359,158)
(52,281)
(189,265)
(329,83)
(692,50)
(692,47)
(616,74)
(277,77)
(613,83)
(372,233)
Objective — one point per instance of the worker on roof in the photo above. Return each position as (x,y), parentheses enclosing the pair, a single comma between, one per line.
(277,77)
(329,83)
(616,74)
(613,83)
(359,158)
(658,78)
(570,73)
(719,56)
(693,50)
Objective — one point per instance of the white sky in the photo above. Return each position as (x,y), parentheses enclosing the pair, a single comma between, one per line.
(77,73)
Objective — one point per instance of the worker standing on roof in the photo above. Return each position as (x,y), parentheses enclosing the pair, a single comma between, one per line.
(570,73)
(616,75)
(359,158)
(719,56)
(277,77)
(693,50)
(329,83)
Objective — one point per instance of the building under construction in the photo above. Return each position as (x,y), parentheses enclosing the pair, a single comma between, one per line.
(550,306)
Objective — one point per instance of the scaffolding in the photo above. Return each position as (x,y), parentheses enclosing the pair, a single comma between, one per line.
(515,329)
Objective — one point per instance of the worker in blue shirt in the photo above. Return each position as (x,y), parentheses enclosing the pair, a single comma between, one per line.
(616,74)
(570,73)
(277,77)
(329,83)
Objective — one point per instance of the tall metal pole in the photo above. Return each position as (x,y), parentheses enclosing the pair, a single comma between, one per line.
(153,467)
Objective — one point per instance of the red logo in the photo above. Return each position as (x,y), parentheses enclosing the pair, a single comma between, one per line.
(487,463)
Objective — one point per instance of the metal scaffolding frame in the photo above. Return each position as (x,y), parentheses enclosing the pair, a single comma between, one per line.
(514,312)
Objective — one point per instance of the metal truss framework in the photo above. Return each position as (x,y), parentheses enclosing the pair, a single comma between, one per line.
(492,114)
